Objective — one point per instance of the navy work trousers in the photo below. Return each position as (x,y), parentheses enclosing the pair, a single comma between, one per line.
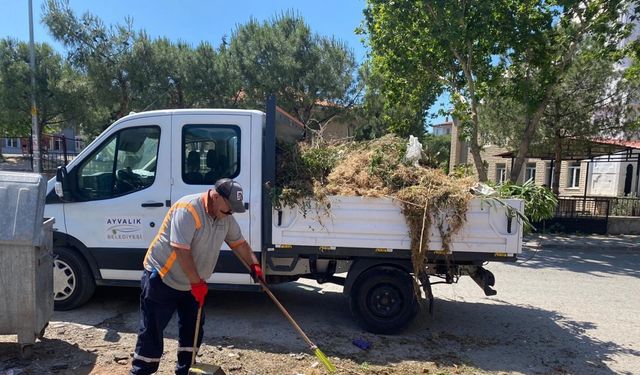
(158,302)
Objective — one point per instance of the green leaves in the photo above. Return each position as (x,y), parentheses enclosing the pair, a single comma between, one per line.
(539,202)
(129,71)
(59,88)
(436,151)
(303,69)
(424,48)
(519,50)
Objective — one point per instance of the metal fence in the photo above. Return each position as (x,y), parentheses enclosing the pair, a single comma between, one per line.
(55,150)
(583,207)
(579,215)
(51,161)
(596,206)
(589,214)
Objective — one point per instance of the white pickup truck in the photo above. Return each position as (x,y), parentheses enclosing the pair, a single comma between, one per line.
(109,202)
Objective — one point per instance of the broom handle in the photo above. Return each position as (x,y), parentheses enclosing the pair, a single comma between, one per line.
(195,338)
(277,303)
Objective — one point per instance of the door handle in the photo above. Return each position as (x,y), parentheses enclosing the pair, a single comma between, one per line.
(152,204)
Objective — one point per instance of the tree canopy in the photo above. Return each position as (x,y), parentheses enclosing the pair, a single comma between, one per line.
(591,100)
(59,88)
(304,70)
(129,71)
(474,49)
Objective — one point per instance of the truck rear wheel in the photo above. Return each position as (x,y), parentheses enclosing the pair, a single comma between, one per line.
(73,283)
(383,301)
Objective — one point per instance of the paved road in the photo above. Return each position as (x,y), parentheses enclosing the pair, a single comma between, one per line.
(570,305)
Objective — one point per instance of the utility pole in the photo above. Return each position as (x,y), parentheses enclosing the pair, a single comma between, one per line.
(37,162)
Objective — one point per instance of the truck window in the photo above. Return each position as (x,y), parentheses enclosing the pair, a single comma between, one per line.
(124,163)
(210,152)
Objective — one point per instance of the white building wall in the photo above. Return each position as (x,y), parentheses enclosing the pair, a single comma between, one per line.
(604,178)
(608,177)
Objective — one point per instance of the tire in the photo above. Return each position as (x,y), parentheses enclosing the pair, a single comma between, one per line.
(73,282)
(383,301)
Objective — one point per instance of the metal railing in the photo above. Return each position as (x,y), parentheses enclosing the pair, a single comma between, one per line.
(597,206)
(583,207)
(579,214)
(55,150)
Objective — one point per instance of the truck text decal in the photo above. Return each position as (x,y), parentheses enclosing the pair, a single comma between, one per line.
(123,228)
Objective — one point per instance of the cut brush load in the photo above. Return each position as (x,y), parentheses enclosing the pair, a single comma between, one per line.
(378,168)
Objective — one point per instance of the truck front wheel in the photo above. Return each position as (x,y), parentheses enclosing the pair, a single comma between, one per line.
(73,283)
(383,301)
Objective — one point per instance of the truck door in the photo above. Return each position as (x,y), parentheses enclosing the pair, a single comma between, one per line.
(208,147)
(121,190)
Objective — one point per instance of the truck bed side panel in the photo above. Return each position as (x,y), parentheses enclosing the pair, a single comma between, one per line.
(373,223)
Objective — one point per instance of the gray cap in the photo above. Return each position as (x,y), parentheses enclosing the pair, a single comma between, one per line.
(231,191)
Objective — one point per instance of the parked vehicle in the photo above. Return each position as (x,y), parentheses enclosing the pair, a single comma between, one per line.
(110,201)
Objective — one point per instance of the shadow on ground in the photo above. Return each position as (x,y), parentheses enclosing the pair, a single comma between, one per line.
(491,337)
(592,257)
(58,352)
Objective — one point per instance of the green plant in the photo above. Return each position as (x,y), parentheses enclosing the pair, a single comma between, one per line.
(539,202)
(625,206)
(299,169)
(462,170)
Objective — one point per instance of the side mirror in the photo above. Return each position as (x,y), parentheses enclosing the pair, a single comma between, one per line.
(61,182)
(58,188)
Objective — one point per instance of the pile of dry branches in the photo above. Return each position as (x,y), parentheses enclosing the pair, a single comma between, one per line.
(376,169)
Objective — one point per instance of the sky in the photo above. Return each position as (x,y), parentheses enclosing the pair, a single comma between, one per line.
(194,21)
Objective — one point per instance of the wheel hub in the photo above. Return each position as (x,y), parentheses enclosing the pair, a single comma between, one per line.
(64,280)
(385,301)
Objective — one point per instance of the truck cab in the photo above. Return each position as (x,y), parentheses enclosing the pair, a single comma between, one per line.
(118,190)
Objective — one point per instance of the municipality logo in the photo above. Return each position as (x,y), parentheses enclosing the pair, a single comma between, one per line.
(123,228)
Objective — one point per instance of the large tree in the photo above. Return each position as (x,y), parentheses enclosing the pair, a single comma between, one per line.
(590,101)
(59,89)
(467,47)
(213,78)
(312,75)
(423,48)
(103,53)
(374,116)
(595,27)
(305,70)
(158,72)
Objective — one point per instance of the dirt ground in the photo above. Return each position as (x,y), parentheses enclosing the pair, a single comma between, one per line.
(244,334)
(568,307)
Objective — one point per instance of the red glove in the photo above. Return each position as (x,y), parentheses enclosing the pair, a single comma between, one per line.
(199,291)
(256,273)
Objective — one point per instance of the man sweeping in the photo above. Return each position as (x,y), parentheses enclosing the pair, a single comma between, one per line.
(179,260)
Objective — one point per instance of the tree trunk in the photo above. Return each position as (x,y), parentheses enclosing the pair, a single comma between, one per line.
(477,161)
(474,142)
(557,163)
(557,151)
(180,95)
(529,132)
(523,150)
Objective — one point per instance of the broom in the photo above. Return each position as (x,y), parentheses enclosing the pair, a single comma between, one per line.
(318,353)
